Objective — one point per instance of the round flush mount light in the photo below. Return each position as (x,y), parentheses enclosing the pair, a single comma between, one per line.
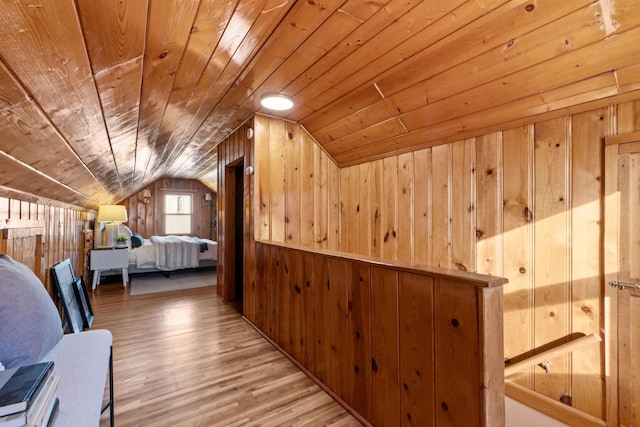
(276,101)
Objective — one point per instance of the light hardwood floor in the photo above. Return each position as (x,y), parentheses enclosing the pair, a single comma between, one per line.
(184,358)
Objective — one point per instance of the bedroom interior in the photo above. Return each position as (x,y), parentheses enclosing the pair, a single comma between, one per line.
(492,143)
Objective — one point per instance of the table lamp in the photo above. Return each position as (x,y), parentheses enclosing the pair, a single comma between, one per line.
(113,215)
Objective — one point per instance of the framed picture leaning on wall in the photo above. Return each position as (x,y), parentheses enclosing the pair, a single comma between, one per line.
(64,281)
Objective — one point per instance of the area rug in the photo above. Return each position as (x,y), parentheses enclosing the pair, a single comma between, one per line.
(150,283)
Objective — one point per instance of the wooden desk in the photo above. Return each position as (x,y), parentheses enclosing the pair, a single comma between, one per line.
(109,259)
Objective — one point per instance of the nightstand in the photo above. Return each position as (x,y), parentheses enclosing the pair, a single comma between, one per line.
(109,259)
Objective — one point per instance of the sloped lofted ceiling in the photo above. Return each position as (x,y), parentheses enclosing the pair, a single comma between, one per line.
(100,97)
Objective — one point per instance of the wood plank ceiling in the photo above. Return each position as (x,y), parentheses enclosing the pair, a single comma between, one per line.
(100,97)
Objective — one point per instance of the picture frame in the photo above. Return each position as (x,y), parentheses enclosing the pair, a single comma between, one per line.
(83,299)
(64,281)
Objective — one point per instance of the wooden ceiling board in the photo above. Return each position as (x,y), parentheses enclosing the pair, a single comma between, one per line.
(28,138)
(548,42)
(120,100)
(242,50)
(169,27)
(510,115)
(296,44)
(402,58)
(375,39)
(57,74)
(200,102)
(10,91)
(625,14)
(131,90)
(354,42)
(210,24)
(629,78)
(114,31)
(443,58)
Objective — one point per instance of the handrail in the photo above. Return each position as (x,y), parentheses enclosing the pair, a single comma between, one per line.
(543,357)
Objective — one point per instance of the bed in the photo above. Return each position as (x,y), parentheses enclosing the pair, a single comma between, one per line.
(170,253)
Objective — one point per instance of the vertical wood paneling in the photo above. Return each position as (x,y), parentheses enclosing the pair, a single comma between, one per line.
(147,218)
(364,210)
(376,194)
(551,240)
(463,212)
(310,297)
(307,190)
(322,331)
(337,290)
(369,335)
(405,204)
(416,350)
(489,199)
(293,271)
(277,141)
(350,194)
(292,184)
(441,211)
(422,207)
(456,331)
(588,130)
(43,232)
(390,208)
(334,206)
(344,207)
(282,304)
(384,347)
(360,340)
(262,212)
(321,198)
(511,203)
(518,241)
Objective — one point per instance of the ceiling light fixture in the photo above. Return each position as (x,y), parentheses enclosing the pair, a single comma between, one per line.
(276,101)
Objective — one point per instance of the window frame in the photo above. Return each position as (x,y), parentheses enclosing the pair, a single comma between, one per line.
(177,193)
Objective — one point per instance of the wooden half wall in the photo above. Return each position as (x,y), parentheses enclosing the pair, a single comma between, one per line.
(40,232)
(399,345)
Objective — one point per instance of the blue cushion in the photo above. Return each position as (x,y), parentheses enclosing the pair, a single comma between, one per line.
(30,325)
(136,240)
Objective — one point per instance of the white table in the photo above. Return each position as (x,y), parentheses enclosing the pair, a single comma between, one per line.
(109,259)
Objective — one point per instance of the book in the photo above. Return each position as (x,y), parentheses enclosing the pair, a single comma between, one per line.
(39,410)
(22,386)
(53,414)
(42,412)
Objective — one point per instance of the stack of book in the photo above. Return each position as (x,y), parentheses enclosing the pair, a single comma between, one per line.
(28,396)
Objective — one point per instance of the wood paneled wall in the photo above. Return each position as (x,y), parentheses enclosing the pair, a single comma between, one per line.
(40,233)
(297,187)
(234,154)
(523,203)
(401,346)
(147,218)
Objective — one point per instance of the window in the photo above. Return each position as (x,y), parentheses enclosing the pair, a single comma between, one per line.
(177,214)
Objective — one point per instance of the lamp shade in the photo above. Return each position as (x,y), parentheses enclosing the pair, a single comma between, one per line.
(112,213)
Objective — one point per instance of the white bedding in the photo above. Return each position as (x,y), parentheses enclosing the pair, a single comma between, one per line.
(174,252)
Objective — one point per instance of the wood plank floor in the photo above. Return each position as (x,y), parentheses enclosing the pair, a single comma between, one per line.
(184,358)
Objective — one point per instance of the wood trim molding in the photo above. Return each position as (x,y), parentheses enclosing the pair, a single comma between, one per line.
(622,138)
(551,407)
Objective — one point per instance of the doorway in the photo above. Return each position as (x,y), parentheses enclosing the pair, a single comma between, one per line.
(234,234)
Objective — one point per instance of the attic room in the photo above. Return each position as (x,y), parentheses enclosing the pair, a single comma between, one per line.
(452,192)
